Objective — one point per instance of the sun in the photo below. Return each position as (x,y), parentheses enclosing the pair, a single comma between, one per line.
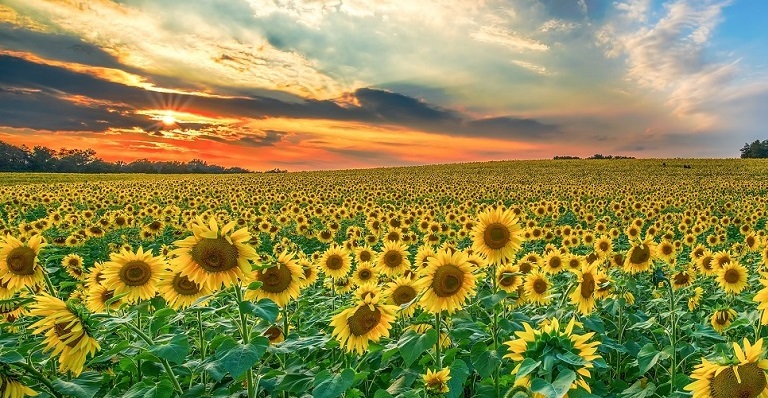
(168,119)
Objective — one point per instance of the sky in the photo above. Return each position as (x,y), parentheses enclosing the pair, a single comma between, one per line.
(336,84)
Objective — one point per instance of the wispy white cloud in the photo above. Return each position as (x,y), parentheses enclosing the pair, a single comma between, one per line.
(531,67)
(511,40)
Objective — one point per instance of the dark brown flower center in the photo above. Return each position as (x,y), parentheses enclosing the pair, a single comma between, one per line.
(732,276)
(273,333)
(587,286)
(21,261)
(722,317)
(555,262)
(185,287)
(135,273)
(640,254)
(726,384)
(334,262)
(682,278)
(363,320)
(540,286)
(496,236)
(215,255)
(507,279)
(604,246)
(393,259)
(365,274)
(275,279)
(706,262)
(447,280)
(403,294)
(365,256)
(107,295)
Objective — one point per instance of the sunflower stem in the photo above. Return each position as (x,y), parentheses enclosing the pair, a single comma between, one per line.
(438,358)
(166,365)
(49,284)
(494,327)
(139,374)
(246,339)
(201,335)
(672,336)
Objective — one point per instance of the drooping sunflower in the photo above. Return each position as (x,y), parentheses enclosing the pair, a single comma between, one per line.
(393,259)
(436,382)
(275,334)
(497,235)
(96,299)
(537,288)
(180,292)
(335,262)
(212,257)
(73,264)
(583,296)
(66,334)
(134,274)
(364,273)
(280,282)
(366,321)
(742,376)
(447,282)
(640,257)
(19,265)
(549,339)
(732,277)
(402,291)
(12,387)
(721,319)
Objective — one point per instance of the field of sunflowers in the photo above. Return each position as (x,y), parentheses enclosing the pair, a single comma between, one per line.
(573,278)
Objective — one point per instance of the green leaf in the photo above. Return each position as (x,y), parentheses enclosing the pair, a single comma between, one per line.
(647,357)
(459,374)
(163,389)
(484,360)
(562,384)
(194,392)
(85,386)
(542,387)
(526,367)
(412,344)
(382,394)
(328,385)
(265,309)
(11,357)
(160,318)
(572,359)
(238,358)
(175,350)
(296,382)
(638,390)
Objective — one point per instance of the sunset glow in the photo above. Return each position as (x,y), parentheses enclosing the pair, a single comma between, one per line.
(309,85)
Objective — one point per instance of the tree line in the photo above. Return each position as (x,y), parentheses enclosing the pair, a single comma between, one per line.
(756,149)
(47,160)
(595,156)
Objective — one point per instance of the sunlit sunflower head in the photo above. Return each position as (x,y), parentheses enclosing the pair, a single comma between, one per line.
(180,292)
(583,296)
(722,318)
(721,258)
(752,242)
(639,257)
(537,288)
(741,375)
(95,274)
(508,278)
(447,282)
(393,259)
(401,292)
(354,327)
(682,278)
(732,277)
(706,264)
(280,281)
(12,387)
(365,254)
(497,235)
(553,263)
(309,272)
(134,274)
(19,266)
(695,299)
(603,246)
(552,342)
(66,333)
(73,264)
(214,257)
(335,262)
(666,251)
(422,256)
(436,382)
(604,286)
(364,273)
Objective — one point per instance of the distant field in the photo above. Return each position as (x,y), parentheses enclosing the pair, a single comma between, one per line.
(599,278)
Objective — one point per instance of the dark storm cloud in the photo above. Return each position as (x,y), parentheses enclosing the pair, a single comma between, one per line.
(375,106)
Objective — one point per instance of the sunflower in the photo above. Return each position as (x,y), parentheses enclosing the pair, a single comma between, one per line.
(706,264)
(73,264)
(721,258)
(280,282)
(436,383)
(275,334)
(19,265)
(65,333)
(180,292)
(666,250)
(393,259)
(422,256)
(548,340)
(12,387)
(95,274)
(732,277)
(367,321)
(96,299)
(508,278)
(136,274)
(762,299)
(213,257)
(400,292)
(497,235)
(447,282)
(363,274)
(721,319)
(335,262)
(742,376)
(309,272)
(695,299)
(683,278)
(553,263)
(537,288)
(639,257)
(584,294)
(364,254)
(603,246)
(367,291)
